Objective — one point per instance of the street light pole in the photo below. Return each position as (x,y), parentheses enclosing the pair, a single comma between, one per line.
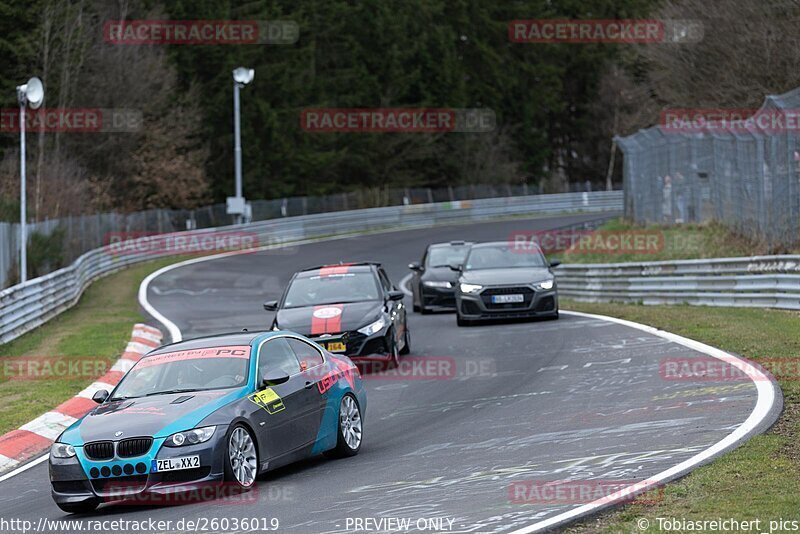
(23,215)
(237,205)
(237,145)
(31,95)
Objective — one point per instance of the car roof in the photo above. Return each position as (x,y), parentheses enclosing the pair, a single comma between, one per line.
(339,268)
(216,340)
(455,243)
(490,244)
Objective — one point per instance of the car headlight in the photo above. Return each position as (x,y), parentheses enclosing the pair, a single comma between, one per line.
(437,283)
(546,284)
(372,328)
(470,288)
(62,450)
(190,437)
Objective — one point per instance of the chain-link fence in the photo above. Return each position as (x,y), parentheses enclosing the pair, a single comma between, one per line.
(700,165)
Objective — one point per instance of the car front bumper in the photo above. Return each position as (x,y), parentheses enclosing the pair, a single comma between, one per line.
(72,482)
(479,306)
(438,298)
(358,346)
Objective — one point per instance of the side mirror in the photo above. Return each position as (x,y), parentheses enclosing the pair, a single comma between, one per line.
(456,267)
(100,396)
(415,266)
(273,379)
(271,305)
(555,263)
(395,295)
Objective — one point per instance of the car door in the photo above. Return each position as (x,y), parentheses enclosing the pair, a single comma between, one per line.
(311,361)
(282,410)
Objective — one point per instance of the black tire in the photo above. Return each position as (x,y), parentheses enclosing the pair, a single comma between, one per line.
(407,344)
(342,449)
(393,350)
(229,475)
(461,321)
(415,307)
(79,507)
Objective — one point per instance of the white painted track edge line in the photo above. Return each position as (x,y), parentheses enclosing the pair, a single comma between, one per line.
(404,285)
(172,328)
(766,400)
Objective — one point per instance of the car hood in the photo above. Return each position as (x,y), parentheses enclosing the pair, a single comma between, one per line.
(517,275)
(316,320)
(149,416)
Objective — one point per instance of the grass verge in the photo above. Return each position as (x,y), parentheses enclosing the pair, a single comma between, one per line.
(759,480)
(687,241)
(95,330)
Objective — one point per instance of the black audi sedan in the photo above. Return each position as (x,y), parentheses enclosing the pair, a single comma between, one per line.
(499,281)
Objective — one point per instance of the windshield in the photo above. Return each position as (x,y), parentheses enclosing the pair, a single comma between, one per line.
(502,256)
(332,289)
(444,256)
(187,370)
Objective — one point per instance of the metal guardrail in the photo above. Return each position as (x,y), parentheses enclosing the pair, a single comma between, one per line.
(757,281)
(82,233)
(26,306)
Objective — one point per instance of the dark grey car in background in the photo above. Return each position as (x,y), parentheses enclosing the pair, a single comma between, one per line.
(499,281)
(433,282)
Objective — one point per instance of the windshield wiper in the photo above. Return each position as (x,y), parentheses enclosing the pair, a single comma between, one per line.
(170,391)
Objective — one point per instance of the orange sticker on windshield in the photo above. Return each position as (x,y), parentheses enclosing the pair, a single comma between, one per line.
(234,351)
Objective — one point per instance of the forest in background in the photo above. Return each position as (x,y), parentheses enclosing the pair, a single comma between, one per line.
(557,106)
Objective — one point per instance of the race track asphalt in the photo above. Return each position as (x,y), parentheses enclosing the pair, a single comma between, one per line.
(578,398)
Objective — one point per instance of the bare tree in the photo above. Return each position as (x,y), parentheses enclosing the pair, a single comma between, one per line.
(159,165)
(749,48)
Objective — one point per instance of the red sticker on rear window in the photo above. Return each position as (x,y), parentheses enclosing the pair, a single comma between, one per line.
(330,270)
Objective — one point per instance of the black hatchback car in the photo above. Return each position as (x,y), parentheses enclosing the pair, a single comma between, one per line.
(433,282)
(348,308)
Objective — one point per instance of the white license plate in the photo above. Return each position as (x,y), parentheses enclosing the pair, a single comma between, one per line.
(507,299)
(175,464)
